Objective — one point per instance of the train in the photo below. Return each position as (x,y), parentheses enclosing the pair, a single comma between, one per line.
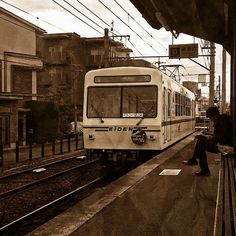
(129,110)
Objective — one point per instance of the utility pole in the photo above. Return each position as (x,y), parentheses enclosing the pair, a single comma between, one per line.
(106,47)
(212,75)
(223,100)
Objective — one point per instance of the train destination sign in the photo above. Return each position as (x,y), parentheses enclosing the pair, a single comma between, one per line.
(177,51)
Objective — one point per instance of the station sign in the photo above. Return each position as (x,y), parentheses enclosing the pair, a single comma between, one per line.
(177,51)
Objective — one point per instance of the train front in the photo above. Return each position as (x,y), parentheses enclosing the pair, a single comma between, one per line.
(120,111)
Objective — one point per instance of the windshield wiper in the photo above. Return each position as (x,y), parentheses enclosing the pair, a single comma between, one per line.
(142,118)
(97,113)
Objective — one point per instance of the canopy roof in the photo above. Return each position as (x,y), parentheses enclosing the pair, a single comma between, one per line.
(207,19)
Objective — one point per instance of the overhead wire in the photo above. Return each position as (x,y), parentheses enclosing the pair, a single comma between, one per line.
(128,26)
(184,67)
(83,14)
(43,20)
(32,15)
(138,23)
(77,17)
(201,45)
(103,22)
(94,14)
(91,21)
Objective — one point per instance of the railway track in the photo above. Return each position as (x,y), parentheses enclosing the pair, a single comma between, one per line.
(25,192)
(20,181)
(11,227)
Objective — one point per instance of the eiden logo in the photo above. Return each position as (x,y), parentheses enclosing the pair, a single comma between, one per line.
(118,128)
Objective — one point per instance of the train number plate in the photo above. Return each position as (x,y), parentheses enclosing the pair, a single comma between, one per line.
(132,114)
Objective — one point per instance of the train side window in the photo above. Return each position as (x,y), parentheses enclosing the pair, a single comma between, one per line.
(169,103)
(176,114)
(184,106)
(177,104)
(188,107)
(164,103)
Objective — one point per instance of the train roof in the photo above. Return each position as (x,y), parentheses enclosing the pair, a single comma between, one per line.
(127,68)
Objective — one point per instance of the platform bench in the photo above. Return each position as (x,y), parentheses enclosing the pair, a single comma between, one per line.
(225,220)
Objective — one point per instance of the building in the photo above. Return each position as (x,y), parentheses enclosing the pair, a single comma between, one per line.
(41,71)
(61,80)
(67,57)
(104,52)
(18,78)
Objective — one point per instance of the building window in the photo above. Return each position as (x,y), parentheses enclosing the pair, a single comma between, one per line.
(22,80)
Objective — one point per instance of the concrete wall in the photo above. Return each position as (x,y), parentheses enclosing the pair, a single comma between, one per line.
(16,36)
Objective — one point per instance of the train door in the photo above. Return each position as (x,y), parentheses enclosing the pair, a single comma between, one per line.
(166,115)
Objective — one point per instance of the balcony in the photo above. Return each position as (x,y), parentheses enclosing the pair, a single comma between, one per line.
(57,58)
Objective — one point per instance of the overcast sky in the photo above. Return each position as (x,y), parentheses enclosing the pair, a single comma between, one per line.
(144,40)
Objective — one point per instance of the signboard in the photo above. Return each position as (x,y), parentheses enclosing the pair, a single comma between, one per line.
(202,79)
(177,51)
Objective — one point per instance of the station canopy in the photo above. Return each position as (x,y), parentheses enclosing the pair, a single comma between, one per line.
(211,20)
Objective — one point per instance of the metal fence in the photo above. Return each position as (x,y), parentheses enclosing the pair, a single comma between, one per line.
(18,154)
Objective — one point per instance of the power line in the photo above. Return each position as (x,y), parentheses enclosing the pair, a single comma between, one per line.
(135,48)
(84,15)
(138,23)
(84,21)
(91,19)
(127,26)
(94,14)
(107,24)
(31,15)
(43,20)
(183,66)
(76,16)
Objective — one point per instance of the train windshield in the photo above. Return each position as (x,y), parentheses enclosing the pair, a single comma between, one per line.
(122,101)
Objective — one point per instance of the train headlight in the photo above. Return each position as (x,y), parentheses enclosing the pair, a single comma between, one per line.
(138,136)
(91,137)
(152,138)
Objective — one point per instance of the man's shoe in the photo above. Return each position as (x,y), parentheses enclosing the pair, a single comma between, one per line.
(190,162)
(203,173)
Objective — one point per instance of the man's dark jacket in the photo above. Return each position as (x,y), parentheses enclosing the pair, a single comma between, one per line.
(223,130)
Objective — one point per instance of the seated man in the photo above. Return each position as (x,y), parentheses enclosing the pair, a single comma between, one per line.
(223,134)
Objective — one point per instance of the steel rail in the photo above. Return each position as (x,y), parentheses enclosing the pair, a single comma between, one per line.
(48,205)
(40,166)
(26,186)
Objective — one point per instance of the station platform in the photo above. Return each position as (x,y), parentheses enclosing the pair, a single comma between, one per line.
(162,197)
